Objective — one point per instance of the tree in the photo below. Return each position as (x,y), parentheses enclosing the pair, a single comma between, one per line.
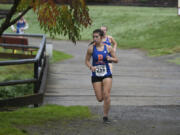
(67,17)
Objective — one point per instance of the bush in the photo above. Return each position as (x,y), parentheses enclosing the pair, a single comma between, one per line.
(15,90)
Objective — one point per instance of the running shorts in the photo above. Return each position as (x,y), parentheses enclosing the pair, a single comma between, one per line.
(99,79)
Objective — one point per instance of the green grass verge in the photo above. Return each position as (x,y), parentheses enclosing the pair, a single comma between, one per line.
(59,56)
(10,121)
(176,60)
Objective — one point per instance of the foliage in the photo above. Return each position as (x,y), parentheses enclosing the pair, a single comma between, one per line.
(67,19)
(64,19)
(15,91)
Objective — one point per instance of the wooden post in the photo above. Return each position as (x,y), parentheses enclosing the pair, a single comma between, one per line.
(36,84)
(36,76)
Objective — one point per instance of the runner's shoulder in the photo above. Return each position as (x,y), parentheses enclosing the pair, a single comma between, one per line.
(90,48)
(110,37)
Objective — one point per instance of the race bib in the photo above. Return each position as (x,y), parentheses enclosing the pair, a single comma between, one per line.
(101,70)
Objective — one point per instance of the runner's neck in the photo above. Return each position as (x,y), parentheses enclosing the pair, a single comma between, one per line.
(99,45)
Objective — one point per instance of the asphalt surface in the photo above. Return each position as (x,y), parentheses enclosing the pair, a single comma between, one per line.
(145,97)
(137,79)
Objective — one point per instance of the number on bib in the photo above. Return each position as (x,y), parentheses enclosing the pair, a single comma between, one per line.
(101,70)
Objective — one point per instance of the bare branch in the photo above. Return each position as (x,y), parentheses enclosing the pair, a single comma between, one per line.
(12,11)
(22,14)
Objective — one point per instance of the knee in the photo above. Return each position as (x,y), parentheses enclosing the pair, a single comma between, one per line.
(107,97)
(100,99)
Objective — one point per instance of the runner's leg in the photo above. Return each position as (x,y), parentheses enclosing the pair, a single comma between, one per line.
(98,90)
(107,84)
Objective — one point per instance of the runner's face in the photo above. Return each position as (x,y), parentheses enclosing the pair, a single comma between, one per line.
(21,18)
(104,30)
(97,38)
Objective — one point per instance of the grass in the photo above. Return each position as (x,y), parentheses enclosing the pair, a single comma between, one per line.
(22,72)
(16,72)
(25,70)
(5,6)
(10,121)
(176,60)
(155,30)
(59,56)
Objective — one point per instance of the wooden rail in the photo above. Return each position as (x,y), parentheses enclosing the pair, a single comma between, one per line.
(40,74)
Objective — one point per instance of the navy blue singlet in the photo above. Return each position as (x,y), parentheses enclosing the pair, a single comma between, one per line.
(19,26)
(99,60)
(107,42)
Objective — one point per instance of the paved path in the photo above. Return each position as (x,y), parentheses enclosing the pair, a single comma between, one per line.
(145,94)
(137,79)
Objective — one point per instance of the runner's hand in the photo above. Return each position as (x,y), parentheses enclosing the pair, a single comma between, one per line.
(93,69)
(109,58)
(22,29)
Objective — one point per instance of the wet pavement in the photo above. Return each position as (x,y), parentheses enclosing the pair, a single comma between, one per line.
(145,97)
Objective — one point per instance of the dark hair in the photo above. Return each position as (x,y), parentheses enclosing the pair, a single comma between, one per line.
(101,33)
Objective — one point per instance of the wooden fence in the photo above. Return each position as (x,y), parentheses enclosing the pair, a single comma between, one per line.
(40,62)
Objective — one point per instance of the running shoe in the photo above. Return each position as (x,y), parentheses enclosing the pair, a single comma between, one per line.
(106,120)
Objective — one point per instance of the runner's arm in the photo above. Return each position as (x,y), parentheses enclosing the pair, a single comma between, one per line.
(88,57)
(26,26)
(113,57)
(114,44)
